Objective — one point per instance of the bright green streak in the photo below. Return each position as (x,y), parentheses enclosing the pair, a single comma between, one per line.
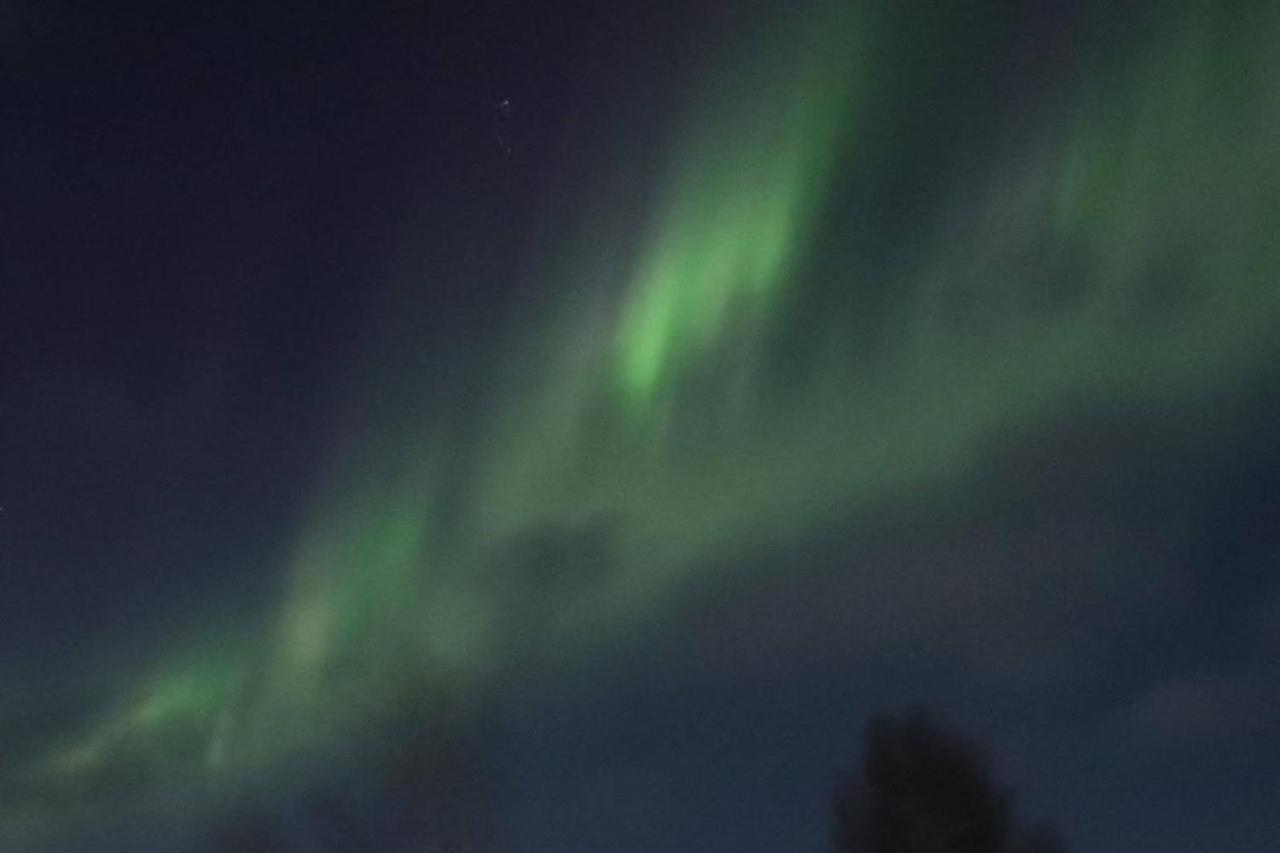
(746,187)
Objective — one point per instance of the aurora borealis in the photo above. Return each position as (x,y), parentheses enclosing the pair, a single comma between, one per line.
(829,338)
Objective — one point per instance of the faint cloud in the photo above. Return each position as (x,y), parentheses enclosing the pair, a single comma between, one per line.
(1021,603)
(1196,708)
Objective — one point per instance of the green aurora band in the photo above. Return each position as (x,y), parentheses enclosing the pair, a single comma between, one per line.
(743,198)
(660,423)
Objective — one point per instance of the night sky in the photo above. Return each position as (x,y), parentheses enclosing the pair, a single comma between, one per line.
(559,429)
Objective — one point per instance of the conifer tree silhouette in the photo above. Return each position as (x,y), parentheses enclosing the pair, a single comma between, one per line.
(926,789)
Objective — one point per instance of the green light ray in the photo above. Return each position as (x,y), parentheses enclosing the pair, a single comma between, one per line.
(745,189)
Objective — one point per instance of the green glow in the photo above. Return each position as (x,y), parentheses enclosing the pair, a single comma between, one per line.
(162,736)
(746,187)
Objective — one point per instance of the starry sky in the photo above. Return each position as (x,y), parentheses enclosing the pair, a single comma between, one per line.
(561,428)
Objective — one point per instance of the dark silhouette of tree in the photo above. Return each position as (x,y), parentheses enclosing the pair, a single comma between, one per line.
(926,789)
